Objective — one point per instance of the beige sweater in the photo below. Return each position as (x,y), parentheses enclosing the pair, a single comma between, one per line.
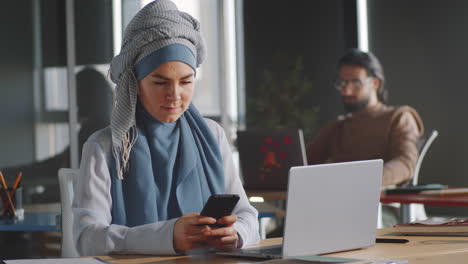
(378,132)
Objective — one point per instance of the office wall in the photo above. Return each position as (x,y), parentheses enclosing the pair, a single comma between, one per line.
(16,83)
(93,32)
(19,108)
(423,47)
(319,31)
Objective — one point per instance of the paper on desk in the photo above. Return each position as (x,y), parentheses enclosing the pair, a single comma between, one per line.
(56,261)
(325,259)
(389,261)
(311,259)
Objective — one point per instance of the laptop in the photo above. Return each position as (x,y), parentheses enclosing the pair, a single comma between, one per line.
(330,208)
(266,155)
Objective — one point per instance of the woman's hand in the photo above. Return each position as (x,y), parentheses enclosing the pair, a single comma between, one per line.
(189,231)
(224,238)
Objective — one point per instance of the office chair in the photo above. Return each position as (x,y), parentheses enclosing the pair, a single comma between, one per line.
(417,211)
(423,145)
(65,177)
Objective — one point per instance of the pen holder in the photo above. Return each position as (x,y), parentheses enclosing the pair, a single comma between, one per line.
(12,197)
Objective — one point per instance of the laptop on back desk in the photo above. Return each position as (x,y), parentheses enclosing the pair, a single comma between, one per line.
(266,155)
(330,208)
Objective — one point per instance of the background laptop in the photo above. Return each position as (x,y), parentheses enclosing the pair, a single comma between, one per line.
(330,208)
(266,155)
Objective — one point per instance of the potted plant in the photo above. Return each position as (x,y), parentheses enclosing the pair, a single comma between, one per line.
(281,99)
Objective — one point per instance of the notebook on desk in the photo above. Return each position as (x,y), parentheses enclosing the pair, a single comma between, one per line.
(330,208)
(266,155)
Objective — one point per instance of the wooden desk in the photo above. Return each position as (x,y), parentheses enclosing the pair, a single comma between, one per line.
(268,195)
(420,250)
(447,200)
(418,246)
(276,209)
(460,257)
(403,199)
(406,199)
(278,197)
(210,259)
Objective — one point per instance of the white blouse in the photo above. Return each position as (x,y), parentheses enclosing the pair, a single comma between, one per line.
(92,229)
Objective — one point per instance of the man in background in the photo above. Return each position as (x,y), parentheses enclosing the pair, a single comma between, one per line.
(370,129)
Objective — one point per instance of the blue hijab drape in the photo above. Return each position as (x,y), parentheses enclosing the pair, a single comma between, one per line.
(173,169)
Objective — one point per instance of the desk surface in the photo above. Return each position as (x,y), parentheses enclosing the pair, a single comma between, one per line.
(460,257)
(447,200)
(420,250)
(268,195)
(33,221)
(418,246)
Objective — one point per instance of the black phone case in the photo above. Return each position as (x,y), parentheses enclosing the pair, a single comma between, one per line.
(219,205)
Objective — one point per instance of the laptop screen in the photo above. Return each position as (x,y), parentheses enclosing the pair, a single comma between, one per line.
(266,155)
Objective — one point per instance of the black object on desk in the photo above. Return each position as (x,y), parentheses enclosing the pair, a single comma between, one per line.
(416,188)
(391,240)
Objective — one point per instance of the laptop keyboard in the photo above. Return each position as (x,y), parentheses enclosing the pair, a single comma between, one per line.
(268,251)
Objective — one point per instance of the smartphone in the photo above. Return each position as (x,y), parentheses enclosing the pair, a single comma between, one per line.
(220,205)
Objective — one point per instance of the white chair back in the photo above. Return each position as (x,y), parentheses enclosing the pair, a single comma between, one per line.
(418,211)
(427,142)
(65,177)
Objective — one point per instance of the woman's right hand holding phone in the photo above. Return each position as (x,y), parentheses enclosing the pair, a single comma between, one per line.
(224,237)
(195,230)
(189,231)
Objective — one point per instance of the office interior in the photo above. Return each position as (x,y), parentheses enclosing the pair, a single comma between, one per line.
(421,44)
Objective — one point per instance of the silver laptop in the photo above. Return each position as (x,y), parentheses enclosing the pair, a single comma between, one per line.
(330,208)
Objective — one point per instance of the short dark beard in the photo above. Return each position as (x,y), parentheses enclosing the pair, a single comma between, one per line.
(352,108)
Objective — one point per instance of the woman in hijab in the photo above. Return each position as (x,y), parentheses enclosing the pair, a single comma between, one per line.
(144,179)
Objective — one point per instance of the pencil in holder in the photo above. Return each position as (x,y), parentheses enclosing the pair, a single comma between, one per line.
(12,203)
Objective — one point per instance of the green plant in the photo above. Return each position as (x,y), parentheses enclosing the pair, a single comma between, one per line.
(281,99)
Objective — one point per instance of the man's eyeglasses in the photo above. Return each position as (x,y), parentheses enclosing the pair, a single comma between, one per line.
(355,83)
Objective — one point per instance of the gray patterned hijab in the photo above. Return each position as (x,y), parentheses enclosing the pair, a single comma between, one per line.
(157,25)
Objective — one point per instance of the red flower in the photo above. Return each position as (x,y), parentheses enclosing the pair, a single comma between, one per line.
(282,155)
